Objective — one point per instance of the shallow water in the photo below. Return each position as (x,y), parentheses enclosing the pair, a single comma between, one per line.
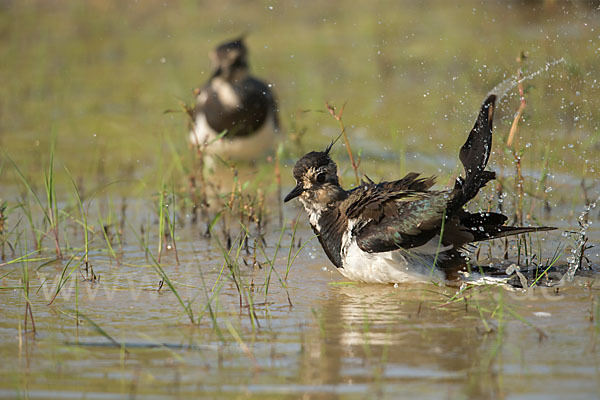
(337,339)
(414,75)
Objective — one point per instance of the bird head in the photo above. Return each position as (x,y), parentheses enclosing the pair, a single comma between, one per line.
(229,58)
(316,179)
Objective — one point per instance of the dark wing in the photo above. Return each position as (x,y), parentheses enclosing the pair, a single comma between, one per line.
(395,214)
(414,219)
(474,155)
(255,103)
(372,201)
(407,222)
(403,214)
(490,225)
(411,182)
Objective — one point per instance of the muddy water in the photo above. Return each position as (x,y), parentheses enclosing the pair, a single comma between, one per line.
(413,75)
(335,340)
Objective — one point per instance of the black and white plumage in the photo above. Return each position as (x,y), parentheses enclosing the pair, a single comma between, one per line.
(234,102)
(390,232)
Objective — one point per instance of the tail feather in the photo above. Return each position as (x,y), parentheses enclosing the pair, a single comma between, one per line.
(490,225)
(475,220)
(495,232)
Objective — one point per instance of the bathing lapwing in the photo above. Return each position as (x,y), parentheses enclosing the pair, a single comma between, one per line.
(401,231)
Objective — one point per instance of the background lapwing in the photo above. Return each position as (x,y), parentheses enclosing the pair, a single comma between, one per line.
(390,232)
(236,115)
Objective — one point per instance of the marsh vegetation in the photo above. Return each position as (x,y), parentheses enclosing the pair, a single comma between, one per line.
(129,268)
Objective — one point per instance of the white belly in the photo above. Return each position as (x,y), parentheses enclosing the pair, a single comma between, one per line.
(389,267)
(247,148)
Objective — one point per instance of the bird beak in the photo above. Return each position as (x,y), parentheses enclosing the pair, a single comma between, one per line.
(297,191)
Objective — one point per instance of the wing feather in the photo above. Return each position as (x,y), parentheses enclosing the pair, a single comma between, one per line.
(411,224)
(395,214)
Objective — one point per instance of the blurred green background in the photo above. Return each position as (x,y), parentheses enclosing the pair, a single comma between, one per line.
(100,74)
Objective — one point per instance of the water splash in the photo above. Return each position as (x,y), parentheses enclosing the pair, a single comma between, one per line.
(501,89)
(580,242)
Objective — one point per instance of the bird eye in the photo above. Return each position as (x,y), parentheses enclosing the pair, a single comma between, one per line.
(321,177)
